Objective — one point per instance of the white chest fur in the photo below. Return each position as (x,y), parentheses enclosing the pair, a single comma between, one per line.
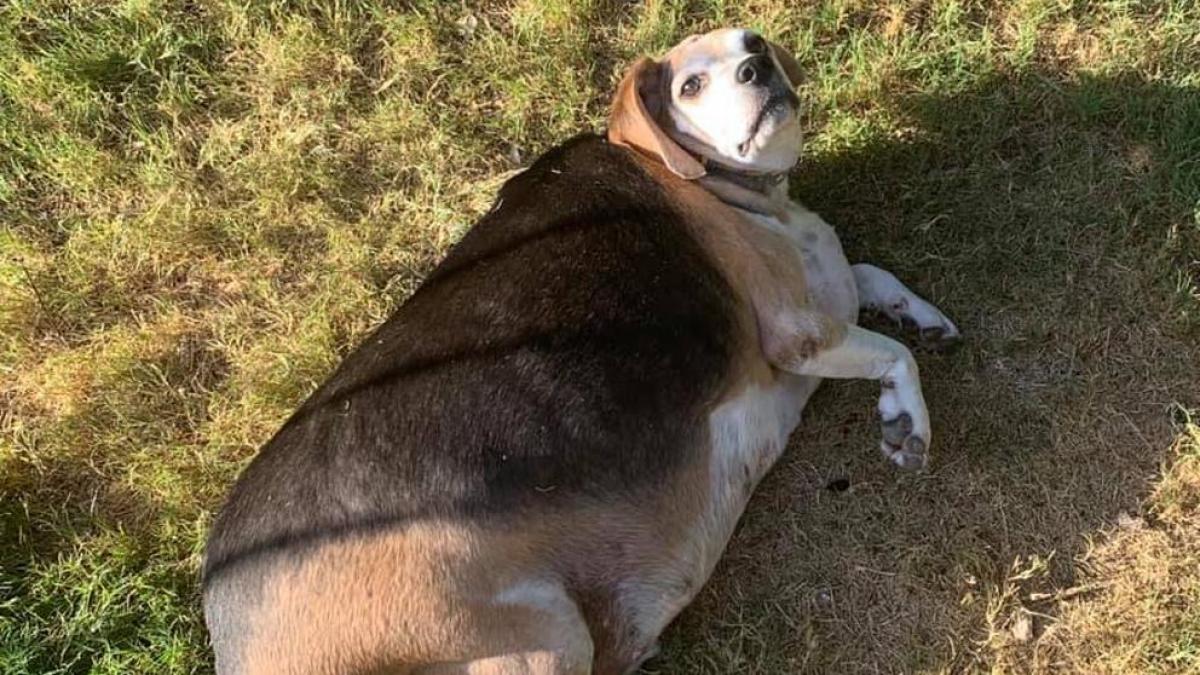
(830,280)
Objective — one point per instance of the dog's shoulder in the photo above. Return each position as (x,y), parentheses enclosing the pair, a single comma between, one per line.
(567,346)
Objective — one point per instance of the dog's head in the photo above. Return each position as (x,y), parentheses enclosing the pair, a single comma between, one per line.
(727,96)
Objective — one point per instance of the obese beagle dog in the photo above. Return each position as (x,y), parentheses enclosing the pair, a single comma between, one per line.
(535,463)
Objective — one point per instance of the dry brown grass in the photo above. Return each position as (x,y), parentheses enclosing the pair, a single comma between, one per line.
(1137,607)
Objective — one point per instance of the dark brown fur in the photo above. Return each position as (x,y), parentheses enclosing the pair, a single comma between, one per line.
(563,357)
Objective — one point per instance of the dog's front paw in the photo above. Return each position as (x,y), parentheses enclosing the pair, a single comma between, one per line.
(935,331)
(906,430)
(906,449)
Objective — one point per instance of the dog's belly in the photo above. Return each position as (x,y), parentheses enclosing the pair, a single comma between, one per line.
(748,432)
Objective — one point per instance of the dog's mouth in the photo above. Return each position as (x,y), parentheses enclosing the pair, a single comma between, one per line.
(778,103)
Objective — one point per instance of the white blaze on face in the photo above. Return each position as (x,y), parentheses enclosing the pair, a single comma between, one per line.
(723,118)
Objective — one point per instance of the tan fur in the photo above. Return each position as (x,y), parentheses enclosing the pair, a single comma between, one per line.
(636,107)
(376,602)
(423,598)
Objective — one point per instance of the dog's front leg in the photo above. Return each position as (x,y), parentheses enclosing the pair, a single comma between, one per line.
(880,291)
(809,343)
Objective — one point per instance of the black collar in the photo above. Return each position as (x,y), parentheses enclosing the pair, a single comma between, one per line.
(762,183)
(743,189)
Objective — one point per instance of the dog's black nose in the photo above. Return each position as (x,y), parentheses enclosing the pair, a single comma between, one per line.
(755,70)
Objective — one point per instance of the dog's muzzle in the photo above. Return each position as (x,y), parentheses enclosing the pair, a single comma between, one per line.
(780,100)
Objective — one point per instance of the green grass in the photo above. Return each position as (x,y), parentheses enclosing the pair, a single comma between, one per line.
(204,206)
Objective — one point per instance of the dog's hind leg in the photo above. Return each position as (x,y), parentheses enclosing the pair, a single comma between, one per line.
(532,628)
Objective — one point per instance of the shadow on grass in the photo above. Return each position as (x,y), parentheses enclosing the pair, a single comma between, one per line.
(1054,221)
(88,576)
(95,563)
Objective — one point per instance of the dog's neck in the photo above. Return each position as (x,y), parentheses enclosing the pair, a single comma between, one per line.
(761,193)
(762,183)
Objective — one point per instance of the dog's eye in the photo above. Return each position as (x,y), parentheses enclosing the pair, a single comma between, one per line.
(691,87)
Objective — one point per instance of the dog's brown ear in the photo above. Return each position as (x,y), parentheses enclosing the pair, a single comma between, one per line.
(632,121)
(788,62)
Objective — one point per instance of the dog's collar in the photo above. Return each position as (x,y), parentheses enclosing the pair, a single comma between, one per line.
(747,190)
(754,181)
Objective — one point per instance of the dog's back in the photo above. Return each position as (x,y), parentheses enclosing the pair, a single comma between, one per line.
(555,370)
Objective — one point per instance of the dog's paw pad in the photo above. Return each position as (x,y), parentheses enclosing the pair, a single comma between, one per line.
(914,445)
(910,457)
(939,338)
(896,430)
(904,448)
